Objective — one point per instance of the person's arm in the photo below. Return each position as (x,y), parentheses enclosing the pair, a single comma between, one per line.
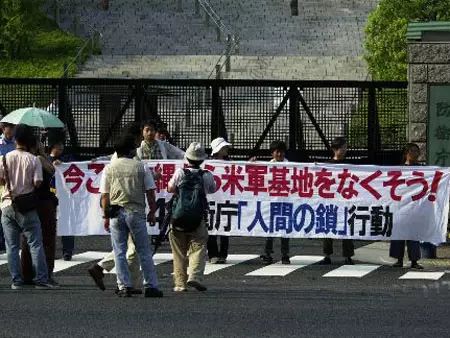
(172,185)
(209,183)
(173,152)
(105,201)
(37,177)
(150,186)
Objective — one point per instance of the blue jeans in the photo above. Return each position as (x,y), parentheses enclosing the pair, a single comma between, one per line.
(136,223)
(14,223)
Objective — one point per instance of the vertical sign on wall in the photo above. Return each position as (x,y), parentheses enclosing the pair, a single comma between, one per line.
(439,126)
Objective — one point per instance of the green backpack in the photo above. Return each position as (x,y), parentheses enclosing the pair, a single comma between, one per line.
(190,204)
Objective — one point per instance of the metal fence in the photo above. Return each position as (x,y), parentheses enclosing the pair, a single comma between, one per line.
(307,115)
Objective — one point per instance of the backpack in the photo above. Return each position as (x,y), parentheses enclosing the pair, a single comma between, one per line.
(190,204)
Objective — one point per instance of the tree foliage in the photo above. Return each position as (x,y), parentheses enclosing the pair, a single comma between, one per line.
(385,42)
(16,26)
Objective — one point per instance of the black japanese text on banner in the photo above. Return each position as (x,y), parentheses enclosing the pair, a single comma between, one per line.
(298,200)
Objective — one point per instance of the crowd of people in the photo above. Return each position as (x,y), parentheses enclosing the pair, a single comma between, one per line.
(29,204)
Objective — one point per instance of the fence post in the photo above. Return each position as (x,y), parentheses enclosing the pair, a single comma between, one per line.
(218,33)
(217,72)
(373,137)
(197,7)
(228,52)
(139,101)
(179,6)
(215,102)
(294,107)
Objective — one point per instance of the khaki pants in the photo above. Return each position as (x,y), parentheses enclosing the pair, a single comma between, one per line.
(193,243)
(107,263)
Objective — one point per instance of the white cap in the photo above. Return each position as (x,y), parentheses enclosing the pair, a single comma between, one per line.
(218,144)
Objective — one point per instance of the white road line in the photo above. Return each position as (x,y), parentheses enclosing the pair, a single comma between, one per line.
(85,257)
(158,258)
(422,275)
(352,271)
(278,269)
(231,260)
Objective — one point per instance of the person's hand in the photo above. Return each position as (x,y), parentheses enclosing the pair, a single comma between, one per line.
(252,159)
(57,162)
(106,225)
(157,174)
(151,218)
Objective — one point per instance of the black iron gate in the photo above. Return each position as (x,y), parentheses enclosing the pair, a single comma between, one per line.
(250,114)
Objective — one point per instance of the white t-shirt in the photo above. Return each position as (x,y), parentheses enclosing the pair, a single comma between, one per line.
(208,180)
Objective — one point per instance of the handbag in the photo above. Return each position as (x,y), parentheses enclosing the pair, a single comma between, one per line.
(21,203)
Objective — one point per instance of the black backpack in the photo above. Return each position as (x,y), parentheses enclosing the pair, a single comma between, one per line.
(189,204)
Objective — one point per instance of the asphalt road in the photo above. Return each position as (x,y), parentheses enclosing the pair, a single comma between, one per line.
(302,303)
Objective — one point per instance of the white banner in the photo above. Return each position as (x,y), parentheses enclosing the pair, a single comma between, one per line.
(298,200)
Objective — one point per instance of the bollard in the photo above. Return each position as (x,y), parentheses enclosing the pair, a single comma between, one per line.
(197,7)
(218,33)
(217,72)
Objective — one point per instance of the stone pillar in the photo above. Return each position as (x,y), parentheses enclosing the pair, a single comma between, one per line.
(428,64)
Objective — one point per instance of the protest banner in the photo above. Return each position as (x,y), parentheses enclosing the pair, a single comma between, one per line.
(297,200)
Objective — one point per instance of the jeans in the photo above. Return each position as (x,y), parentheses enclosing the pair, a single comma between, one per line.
(136,224)
(2,237)
(47,215)
(14,223)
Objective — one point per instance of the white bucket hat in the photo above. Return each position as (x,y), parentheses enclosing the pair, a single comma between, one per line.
(196,152)
(218,144)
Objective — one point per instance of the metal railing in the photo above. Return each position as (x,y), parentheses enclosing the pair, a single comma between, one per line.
(231,38)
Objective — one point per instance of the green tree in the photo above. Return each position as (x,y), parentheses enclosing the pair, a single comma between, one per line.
(16,23)
(385,41)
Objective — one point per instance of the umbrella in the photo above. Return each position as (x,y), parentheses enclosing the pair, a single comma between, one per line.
(34,117)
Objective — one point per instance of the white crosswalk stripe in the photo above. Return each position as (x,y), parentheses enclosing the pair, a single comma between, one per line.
(231,260)
(82,258)
(352,271)
(422,275)
(158,258)
(278,269)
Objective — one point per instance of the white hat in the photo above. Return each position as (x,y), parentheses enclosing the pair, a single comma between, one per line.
(218,144)
(196,152)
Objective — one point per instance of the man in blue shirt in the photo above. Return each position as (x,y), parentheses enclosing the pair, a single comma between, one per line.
(7,144)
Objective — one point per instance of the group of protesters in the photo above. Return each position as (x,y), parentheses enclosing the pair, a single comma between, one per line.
(29,203)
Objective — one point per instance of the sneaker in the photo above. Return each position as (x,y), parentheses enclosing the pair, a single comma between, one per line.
(266,259)
(179,289)
(17,286)
(96,272)
(125,292)
(399,264)
(349,261)
(153,293)
(325,261)
(285,260)
(196,285)
(45,286)
(222,260)
(53,282)
(417,266)
(214,260)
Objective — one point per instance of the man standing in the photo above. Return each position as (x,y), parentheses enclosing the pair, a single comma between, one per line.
(21,173)
(153,149)
(124,186)
(189,233)
(7,144)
